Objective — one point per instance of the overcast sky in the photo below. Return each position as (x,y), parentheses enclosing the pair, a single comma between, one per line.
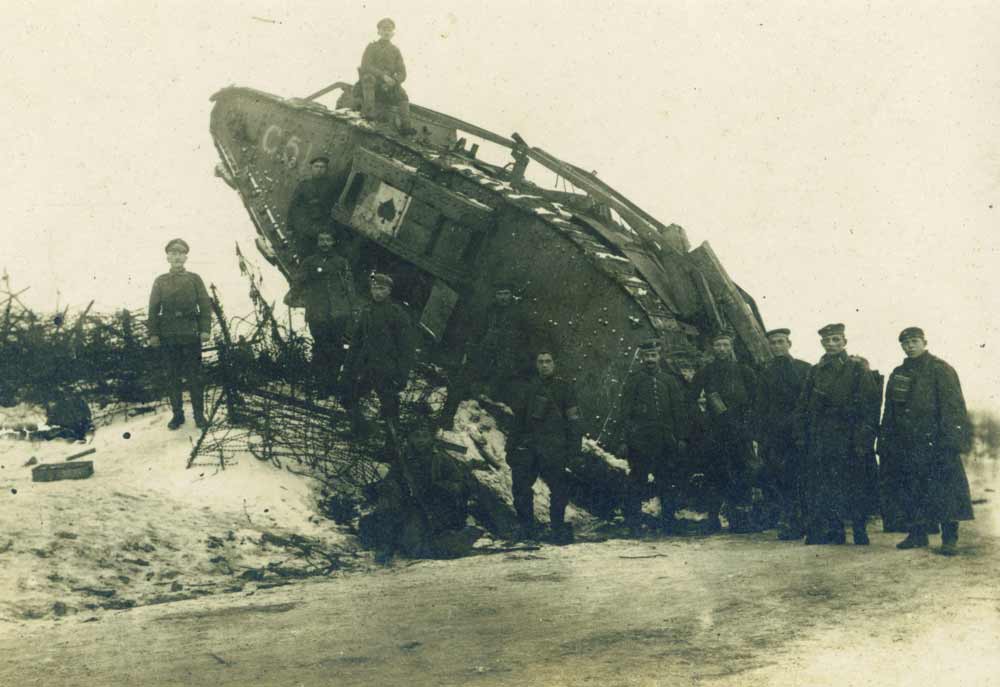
(842,158)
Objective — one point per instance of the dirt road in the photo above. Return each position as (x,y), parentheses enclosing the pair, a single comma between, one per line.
(721,610)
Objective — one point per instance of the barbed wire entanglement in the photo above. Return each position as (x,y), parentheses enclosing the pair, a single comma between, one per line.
(264,404)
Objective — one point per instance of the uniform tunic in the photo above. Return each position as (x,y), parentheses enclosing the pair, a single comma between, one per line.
(837,429)
(328,295)
(309,211)
(499,357)
(925,428)
(381,354)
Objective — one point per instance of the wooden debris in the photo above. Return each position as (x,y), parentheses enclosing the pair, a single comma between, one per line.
(51,472)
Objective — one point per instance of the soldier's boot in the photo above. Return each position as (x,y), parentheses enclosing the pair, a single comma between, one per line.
(816,534)
(198,406)
(562,533)
(859,533)
(405,124)
(177,407)
(712,523)
(368,110)
(949,538)
(668,522)
(916,539)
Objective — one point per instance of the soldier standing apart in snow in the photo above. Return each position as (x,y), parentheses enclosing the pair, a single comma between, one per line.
(781,385)
(730,389)
(180,321)
(654,438)
(545,439)
(381,354)
(836,432)
(925,429)
(382,74)
(310,207)
(328,293)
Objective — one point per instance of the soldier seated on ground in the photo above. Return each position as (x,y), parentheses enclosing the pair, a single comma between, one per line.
(422,504)
(382,73)
(68,416)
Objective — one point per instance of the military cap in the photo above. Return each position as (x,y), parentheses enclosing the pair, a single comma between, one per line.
(649,345)
(383,279)
(722,335)
(388,23)
(177,243)
(911,332)
(831,329)
(775,332)
(320,158)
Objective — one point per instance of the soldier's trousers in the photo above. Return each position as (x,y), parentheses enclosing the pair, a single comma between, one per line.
(183,368)
(780,480)
(385,388)
(665,486)
(374,91)
(328,349)
(528,465)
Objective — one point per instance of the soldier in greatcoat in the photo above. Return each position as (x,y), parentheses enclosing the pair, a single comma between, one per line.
(382,350)
(925,429)
(654,423)
(327,288)
(544,443)
(382,75)
(781,383)
(729,388)
(836,431)
(309,210)
(180,321)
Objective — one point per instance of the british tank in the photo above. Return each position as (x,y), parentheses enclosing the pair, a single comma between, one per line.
(595,274)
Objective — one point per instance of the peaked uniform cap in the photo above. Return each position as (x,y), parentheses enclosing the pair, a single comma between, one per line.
(722,335)
(649,345)
(831,329)
(383,279)
(386,23)
(774,332)
(177,243)
(320,158)
(911,332)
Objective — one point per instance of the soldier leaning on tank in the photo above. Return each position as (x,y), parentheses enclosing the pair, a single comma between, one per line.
(836,433)
(498,354)
(327,288)
(545,440)
(730,389)
(382,349)
(925,429)
(654,420)
(310,207)
(382,74)
(180,321)
(781,383)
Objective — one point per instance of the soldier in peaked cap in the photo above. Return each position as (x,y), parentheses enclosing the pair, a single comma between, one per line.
(729,388)
(180,321)
(836,422)
(925,429)
(781,383)
(654,421)
(382,74)
(310,207)
(381,353)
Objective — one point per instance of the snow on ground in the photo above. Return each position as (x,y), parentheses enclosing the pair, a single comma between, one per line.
(144,529)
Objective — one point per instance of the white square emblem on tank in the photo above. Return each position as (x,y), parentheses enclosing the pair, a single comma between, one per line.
(382,211)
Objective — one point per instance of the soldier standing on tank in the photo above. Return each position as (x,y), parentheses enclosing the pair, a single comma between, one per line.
(925,429)
(310,207)
(545,440)
(729,389)
(781,384)
(327,287)
(382,75)
(654,420)
(836,432)
(381,353)
(180,321)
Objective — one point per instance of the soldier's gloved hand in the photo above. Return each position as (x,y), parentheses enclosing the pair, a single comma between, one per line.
(389,81)
(154,341)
